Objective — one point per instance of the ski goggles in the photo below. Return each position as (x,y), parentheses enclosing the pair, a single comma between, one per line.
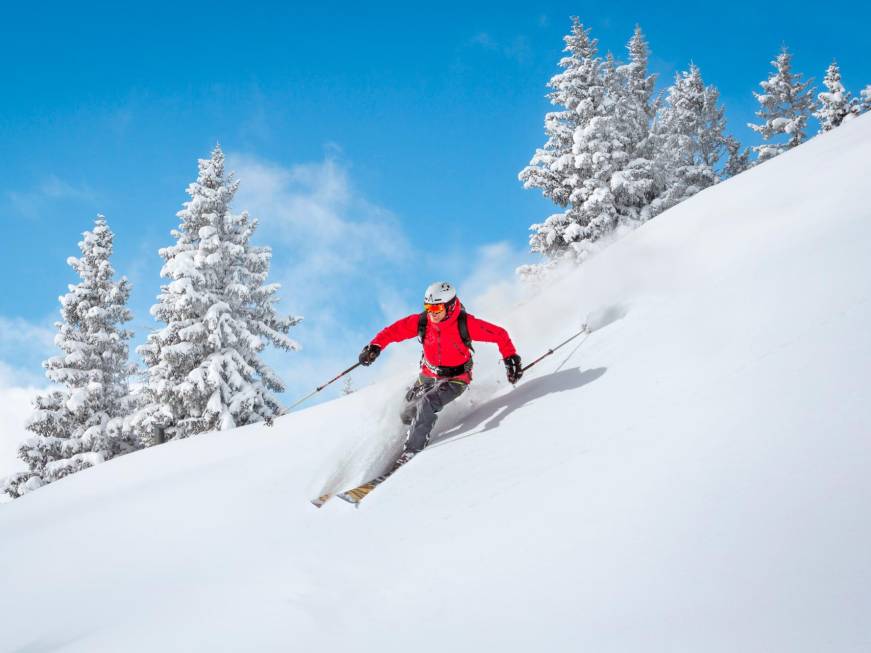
(434,308)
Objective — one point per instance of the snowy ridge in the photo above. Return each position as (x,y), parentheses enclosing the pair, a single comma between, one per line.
(694,477)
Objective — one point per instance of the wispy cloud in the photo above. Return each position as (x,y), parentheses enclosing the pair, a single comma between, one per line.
(15,408)
(32,203)
(56,188)
(335,253)
(492,284)
(25,343)
(329,233)
(516,49)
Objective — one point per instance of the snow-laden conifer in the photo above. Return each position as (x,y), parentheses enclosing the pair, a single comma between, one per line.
(786,103)
(836,103)
(204,370)
(739,158)
(557,168)
(633,179)
(596,162)
(865,94)
(690,138)
(79,424)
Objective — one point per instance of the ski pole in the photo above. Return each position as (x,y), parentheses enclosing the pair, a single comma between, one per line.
(319,388)
(550,351)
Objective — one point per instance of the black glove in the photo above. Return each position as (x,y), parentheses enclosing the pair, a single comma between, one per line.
(369,354)
(513,368)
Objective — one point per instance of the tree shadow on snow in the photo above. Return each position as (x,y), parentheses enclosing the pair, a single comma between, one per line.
(490,414)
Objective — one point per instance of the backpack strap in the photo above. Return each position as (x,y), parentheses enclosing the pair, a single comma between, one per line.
(463,326)
(421,326)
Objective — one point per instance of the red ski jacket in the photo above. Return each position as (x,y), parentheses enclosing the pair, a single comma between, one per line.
(442,345)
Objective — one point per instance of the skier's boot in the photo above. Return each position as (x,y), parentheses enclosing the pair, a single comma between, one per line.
(404,457)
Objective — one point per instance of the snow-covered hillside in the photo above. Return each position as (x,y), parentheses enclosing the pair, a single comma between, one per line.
(695,476)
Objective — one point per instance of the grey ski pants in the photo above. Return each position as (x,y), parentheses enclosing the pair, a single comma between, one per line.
(426,398)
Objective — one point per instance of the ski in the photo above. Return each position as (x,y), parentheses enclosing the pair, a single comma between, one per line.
(355,495)
(321,500)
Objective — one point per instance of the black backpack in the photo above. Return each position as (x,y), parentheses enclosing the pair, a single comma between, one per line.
(462,325)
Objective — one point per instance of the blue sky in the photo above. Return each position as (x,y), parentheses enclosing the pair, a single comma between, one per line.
(379,145)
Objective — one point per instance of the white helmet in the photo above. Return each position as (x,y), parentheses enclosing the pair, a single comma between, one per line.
(441,292)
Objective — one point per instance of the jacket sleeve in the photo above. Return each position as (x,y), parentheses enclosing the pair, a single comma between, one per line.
(397,332)
(485,332)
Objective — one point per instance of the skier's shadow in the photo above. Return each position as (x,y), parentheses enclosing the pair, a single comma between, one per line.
(491,413)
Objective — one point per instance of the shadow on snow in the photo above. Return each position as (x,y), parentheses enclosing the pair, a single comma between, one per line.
(490,414)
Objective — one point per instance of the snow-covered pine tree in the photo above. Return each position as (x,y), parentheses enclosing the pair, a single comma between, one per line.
(836,103)
(633,180)
(204,368)
(689,134)
(556,168)
(786,103)
(597,159)
(739,159)
(79,424)
(865,94)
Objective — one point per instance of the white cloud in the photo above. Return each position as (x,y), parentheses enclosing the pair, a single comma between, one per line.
(484,40)
(56,188)
(15,408)
(336,254)
(25,343)
(16,332)
(32,203)
(492,281)
(517,49)
(23,346)
(332,248)
(331,230)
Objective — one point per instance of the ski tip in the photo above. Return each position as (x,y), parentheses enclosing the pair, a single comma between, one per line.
(321,500)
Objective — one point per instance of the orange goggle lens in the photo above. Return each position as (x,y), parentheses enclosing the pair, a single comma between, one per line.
(433,308)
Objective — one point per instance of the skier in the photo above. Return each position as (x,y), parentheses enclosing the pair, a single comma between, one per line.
(447,332)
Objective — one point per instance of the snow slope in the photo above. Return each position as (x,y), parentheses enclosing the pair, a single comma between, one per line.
(695,476)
